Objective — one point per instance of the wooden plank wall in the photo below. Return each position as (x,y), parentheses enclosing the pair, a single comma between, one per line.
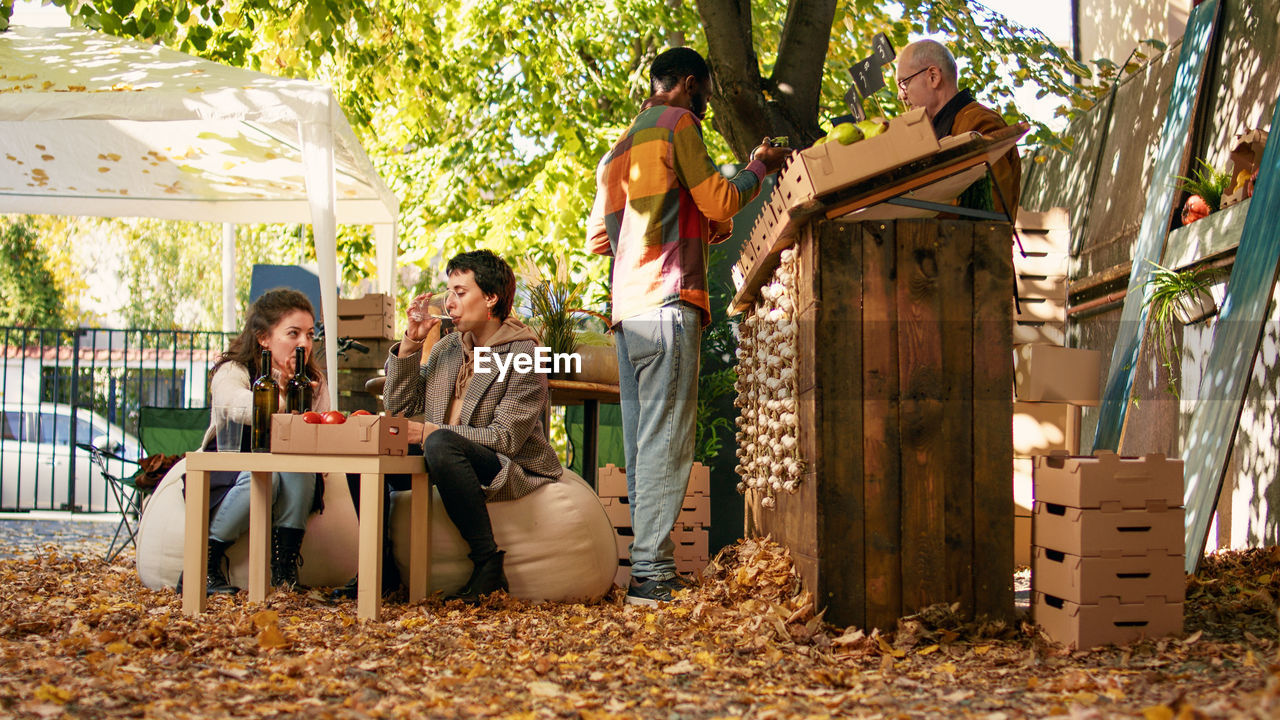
(904,368)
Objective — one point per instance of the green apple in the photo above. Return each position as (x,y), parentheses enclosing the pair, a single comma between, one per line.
(873,127)
(845,133)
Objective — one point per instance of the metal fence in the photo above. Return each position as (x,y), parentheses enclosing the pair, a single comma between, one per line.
(61,387)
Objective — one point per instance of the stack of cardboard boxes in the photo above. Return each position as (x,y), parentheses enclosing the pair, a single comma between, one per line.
(689,535)
(1051,382)
(370,317)
(1108,564)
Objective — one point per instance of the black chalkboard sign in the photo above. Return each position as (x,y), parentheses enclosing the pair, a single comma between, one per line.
(868,74)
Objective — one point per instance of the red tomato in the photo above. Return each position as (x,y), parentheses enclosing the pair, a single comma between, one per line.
(312,418)
(360,412)
(1195,209)
(333,417)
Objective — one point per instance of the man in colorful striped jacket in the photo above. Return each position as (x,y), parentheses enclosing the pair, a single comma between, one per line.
(660,200)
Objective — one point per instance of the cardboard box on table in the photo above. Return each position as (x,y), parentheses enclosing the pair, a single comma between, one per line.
(359,435)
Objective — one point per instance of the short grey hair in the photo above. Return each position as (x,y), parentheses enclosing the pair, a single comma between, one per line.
(931,52)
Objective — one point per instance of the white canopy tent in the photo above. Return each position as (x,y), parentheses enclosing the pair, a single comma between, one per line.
(92,124)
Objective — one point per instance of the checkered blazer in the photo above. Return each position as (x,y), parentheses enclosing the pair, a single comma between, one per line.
(502,415)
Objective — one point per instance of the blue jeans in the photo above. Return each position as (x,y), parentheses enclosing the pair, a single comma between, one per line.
(658,383)
(291,497)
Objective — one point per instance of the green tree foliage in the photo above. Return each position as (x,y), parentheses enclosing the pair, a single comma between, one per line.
(29,293)
(487,117)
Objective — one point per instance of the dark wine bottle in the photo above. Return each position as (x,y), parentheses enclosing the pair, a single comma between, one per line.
(297,391)
(266,402)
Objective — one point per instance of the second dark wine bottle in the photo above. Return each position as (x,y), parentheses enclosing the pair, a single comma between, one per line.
(266,402)
(297,391)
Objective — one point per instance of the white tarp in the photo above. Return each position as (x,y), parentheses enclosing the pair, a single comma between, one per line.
(92,124)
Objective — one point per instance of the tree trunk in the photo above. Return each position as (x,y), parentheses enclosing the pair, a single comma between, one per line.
(748,106)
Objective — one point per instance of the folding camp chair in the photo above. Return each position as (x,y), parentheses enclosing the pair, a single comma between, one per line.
(171,431)
(161,430)
(126,493)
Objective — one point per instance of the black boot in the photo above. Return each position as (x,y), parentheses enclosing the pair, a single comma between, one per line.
(285,559)
(487,577)
(219,568)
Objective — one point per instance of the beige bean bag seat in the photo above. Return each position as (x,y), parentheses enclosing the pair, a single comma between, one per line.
(559,543)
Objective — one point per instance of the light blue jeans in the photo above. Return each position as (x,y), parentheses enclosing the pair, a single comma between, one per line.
(658,384)
(291,497)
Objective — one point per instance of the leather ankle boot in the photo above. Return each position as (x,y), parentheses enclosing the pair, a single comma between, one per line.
(286,544)
(219,567)
(487,577)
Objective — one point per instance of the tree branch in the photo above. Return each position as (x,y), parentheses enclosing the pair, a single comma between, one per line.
(742,115)
(802,50)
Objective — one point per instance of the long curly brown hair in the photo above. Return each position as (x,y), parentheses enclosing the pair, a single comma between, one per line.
(265,312)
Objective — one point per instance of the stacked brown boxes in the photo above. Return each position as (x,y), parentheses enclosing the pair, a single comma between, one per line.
(1108,564)
(689,534)
(372,317)
(1051,382)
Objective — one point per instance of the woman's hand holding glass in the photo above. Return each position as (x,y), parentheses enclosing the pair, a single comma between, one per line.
(420,319)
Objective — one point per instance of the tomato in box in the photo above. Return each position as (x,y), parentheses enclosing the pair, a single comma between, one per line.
(359,435)
(312,418)
(333,417)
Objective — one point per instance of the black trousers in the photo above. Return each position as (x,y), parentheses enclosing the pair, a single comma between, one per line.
(460,470)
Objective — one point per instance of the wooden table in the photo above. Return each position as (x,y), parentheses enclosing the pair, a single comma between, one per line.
(589,395)
(371,468)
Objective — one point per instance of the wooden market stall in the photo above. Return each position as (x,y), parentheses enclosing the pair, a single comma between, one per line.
(875,373)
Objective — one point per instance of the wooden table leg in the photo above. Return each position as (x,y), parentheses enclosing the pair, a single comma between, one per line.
(369,593)
(590,441)
(259,535)
(420,539)
(195,549)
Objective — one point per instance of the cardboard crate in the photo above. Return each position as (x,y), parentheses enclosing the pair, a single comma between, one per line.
(1040,310)
(1045,373)
(611,481)
(1109,482)
(1044,231)
(831,166)
(372,316)
(1050,287)
(689,542)
(1110,621)
(1041,428)
(1041,263)
(1021,541)
(695,512)
(359,435)
(1104,533)
(1029,332)
(1086,580)
(1023,486)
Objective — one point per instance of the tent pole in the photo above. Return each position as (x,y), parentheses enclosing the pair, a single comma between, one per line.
(318,164)
(228,277)
(385,235)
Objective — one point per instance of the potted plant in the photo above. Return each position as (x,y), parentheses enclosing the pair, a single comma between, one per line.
(556,312)
(1177,298)
(1206,187)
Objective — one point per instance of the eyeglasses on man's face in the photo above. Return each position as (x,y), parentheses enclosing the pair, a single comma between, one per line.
(904,82)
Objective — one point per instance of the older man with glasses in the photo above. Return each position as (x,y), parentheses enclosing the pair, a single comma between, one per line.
(928,78)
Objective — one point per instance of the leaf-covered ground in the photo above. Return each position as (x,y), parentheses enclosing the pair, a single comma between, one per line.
(80,638)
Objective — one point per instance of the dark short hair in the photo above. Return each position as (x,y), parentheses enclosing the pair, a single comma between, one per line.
(493,277)
(674,65)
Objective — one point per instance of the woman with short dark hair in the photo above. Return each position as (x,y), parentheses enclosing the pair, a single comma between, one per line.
(482,433)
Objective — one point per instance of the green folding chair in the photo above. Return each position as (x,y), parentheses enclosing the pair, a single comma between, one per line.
(171,431)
